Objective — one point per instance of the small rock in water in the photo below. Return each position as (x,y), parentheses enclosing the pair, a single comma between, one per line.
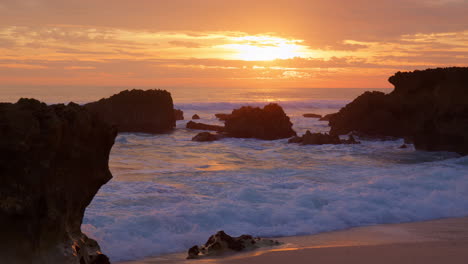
(312,115)
(206,136)
(403,146)
(195,116)
(201,126)
(221,243)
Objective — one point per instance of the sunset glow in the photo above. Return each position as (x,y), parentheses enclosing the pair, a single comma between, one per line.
(171,45)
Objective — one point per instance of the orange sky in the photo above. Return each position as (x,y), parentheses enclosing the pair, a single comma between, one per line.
(224,43)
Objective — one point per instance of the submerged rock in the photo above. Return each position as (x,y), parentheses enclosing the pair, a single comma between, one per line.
(201,126)
(312,115)
(195,116)
(222,243)
(53,160)
(268,123)
(430,107)
(206,136)
(178,114)
(321,139)
(150,111)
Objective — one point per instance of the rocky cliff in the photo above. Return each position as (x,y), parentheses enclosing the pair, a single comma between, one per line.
(53,160)
(430,107)
(150,111)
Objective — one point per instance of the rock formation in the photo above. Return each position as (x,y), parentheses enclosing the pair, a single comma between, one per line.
(327,117)
(310,115)
(267,123)
(150,111)
(53,160)
(206,136)
(430,107)
(201,126)
(221,243)
(178,114)
(195,116)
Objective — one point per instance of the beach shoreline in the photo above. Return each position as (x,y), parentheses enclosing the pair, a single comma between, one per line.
(434,241)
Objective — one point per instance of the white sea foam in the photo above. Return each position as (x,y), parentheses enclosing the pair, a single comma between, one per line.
(169,193)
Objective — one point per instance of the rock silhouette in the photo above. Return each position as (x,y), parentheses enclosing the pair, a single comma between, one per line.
(53,160)
(201,126)
(310,115)
(178,114)
(206,137)
(268,123)
(150,111)
(428,107)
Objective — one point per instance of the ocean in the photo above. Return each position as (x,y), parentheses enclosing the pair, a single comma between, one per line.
(170,193)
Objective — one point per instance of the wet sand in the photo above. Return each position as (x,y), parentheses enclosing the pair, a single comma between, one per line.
(438,241)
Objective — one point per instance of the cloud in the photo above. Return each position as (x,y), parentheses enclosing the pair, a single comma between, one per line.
(185,44)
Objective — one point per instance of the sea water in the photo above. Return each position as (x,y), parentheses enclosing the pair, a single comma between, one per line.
(170,193)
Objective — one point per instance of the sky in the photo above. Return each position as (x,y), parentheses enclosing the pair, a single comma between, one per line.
(224,43)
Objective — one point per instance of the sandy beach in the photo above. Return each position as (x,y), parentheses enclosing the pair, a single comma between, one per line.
(438,241)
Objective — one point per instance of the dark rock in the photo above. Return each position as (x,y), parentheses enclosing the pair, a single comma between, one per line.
(319,139)
(404,146)
(327,117)
(206,136)
(312,115)
(372,113)
(150,111)
(350,140)
(267,123)
(195,116)
(222,117)
(53,160)
(178,114)
(201,126)
(221,243)
(295,139)
(430,107)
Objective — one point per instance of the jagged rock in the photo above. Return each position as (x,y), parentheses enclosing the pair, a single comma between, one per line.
(319,139)
(222,117)
(221,243)
(178,114)
(430,107)
(53,160)
(206,136)
(327,117)
(267,123)
(312,116)
(201,126)
(195,116)
(150,111)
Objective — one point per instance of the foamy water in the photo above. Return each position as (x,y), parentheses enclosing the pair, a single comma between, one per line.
(169,193)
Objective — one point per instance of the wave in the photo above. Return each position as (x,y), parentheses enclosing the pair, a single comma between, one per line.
(170,193)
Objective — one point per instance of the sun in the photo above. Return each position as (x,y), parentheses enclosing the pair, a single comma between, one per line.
(265,48)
